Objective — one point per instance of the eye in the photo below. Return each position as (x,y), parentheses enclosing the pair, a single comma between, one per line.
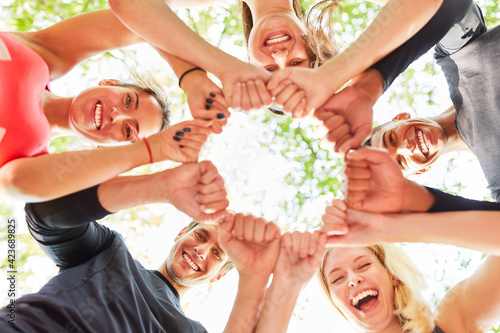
(400,161)
(337,279)
(128,131)
(200,236)
(128,101)
(296,63)
(217,254)
(364,265)
(271,68)
(391,139)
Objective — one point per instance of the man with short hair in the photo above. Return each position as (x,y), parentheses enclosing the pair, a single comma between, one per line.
(101,288)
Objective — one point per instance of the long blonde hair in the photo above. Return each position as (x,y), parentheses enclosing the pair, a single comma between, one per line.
(411,310)
(318,21)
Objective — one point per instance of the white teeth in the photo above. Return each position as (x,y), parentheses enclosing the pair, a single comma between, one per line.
(277,39)
(355,300)
(423,142)
(98,115)
(190,262)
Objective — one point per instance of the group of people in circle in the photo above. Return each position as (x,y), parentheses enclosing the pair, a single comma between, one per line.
(293,68)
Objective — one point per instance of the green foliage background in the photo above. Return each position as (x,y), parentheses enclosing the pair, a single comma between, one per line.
(312,170)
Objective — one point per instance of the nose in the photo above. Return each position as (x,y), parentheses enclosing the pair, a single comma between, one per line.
(201,252)
(280,56)
(355,280)
(116,115)
(405,148)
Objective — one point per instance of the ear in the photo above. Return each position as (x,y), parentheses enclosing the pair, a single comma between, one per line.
(421,171)
(180,234)
(217,277)
(395,281)
(402,116)
(108,82)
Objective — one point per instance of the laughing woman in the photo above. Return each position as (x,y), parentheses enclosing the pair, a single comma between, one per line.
(112,112)
(378,289)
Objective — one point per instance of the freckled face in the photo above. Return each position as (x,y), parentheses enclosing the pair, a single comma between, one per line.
(275,42)
(361,288)
(196,256)
(414,143)
(109,114)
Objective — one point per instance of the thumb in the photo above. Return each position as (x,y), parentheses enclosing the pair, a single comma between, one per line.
(276,79)
(226,229)
(370,154)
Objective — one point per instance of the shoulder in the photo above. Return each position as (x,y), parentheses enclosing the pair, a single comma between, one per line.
(448,311)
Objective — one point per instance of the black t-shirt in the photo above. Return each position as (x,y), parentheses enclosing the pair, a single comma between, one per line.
(100,287)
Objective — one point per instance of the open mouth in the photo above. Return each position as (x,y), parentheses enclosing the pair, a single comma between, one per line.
(191,263)
(364,300)
(277,39)
(98,113)
(422,142)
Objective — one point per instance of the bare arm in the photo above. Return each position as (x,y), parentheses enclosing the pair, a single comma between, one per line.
(69,42)
(474,304)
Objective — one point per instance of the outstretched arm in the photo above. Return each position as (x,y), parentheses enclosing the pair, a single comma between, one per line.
(300,256)
(253,246)
(50,176)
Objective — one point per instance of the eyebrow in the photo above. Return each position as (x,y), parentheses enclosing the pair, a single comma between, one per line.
(136,100)
(355,259)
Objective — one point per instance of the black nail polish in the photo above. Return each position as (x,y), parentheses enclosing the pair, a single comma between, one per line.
(179,133)
(187,129)
(221,116)
(181,146)
(176,138)
(209,100)
(208,106)
(207,119)
(212,95)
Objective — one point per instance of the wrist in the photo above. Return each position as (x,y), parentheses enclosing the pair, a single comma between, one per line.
(370,84)
(416,198)
(189,75)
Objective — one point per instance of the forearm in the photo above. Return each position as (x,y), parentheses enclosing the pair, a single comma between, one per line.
(397,21)
(477,230)
(244,315)
(130,191)
(450,12)
(278,305)
(169,33)
(50,176)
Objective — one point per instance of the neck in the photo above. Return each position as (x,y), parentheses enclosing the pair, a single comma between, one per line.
(260,8)
(447,121)
(56,109)
(181,290)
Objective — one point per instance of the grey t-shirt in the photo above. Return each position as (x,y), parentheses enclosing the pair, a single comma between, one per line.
(473,75)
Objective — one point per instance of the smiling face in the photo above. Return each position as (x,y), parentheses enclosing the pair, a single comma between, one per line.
(414,143)
(275,42)
(196,256)
(361,288)
(106,114)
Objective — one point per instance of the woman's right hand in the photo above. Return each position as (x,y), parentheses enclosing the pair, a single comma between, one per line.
(181,142)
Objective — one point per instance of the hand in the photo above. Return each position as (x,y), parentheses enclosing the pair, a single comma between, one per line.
(347,116)
(299,257)
(244,86)
(181,142)
(348,227)
(205,100)
(375,184)
(251,243)
(316,89)
(289,97)
(196,189)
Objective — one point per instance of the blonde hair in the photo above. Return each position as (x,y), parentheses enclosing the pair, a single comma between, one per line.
(149,83)
(411,310)
(319,20)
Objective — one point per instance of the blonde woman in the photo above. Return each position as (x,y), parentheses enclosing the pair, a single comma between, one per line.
(377,288)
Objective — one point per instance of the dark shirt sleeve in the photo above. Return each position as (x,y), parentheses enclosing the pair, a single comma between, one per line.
(450,13)
(447,202)
(66,230)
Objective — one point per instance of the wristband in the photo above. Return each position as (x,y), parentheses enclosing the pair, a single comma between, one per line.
(149,150)
(187,72)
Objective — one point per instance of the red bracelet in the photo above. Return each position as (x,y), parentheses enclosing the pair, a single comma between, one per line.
(149,150)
